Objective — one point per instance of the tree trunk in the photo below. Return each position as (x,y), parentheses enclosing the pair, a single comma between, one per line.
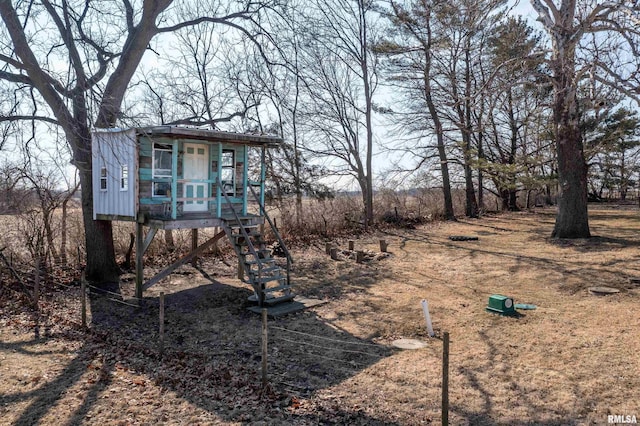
(481,158)
(471,205)
(442,154)
(101,264)
(368,93)
(63,232)
(572,220)
(47,216)
(433,112)
(513,200)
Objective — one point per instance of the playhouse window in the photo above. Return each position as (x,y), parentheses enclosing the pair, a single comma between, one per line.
(124,178)
(228,171)
(103,179)
(162,155)
(162,167)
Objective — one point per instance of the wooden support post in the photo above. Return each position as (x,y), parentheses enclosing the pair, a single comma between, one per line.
(264,348)
(139,260)
(445,379)
(383,246)
(185,259)
(240,270)
(327,247)
(352,245)
(359,256)
(83,299)
(161,348)
(334,253)
(194,245)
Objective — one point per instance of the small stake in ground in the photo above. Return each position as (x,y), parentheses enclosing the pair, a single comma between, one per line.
(264,348)
(427,317)
(445,379)
(334,253)
(359,256)
(327,247)
(383,246)
(352,245)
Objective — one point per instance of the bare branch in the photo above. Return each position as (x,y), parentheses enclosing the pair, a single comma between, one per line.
(38,77)
(12,118)
(545,11)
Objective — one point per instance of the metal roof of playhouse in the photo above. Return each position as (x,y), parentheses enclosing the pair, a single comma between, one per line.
(210,135)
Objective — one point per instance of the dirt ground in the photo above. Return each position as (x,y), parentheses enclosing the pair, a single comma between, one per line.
(572,361)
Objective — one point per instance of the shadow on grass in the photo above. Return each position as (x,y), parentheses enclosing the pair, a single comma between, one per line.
(211,358)
(589,270)
(511,380)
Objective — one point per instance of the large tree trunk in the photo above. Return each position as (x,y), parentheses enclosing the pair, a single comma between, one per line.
(101,264)
(509,198)
(572,220)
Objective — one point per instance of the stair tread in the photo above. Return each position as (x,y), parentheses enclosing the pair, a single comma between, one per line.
(259,252)
(263,280)
(280,299)
(244,232)
(278,288)
(235,224)
(264,270)
(262,260)
(273,300)
(254,244)
(250,234)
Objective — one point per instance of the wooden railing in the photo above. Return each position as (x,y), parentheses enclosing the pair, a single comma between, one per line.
(264,213)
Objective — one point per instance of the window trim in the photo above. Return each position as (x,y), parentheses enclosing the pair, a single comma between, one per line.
(233,169)
(159,147)
(124,177)
(103,179)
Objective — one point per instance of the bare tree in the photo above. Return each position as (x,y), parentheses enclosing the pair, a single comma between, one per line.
(516,100)
(100,46)
(341,79)
(411,69)
(590,40)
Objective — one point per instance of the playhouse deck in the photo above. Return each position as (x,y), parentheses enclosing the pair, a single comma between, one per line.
(199,220)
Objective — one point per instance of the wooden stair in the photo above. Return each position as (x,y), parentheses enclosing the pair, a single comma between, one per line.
(270,282)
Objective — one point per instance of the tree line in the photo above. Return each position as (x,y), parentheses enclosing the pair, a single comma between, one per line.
(456,90)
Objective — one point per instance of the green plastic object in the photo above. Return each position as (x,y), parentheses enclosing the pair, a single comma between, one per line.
(502,305)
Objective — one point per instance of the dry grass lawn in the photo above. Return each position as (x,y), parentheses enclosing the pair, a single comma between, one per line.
(573,360)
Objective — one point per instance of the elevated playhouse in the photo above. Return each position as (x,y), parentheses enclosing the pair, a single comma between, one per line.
(168,177)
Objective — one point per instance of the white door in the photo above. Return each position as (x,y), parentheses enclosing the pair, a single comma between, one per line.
(195,167)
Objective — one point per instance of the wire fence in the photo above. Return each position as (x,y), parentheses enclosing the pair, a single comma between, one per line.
(342,354)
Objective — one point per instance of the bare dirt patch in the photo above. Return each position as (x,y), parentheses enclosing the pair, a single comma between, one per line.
(573,360)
